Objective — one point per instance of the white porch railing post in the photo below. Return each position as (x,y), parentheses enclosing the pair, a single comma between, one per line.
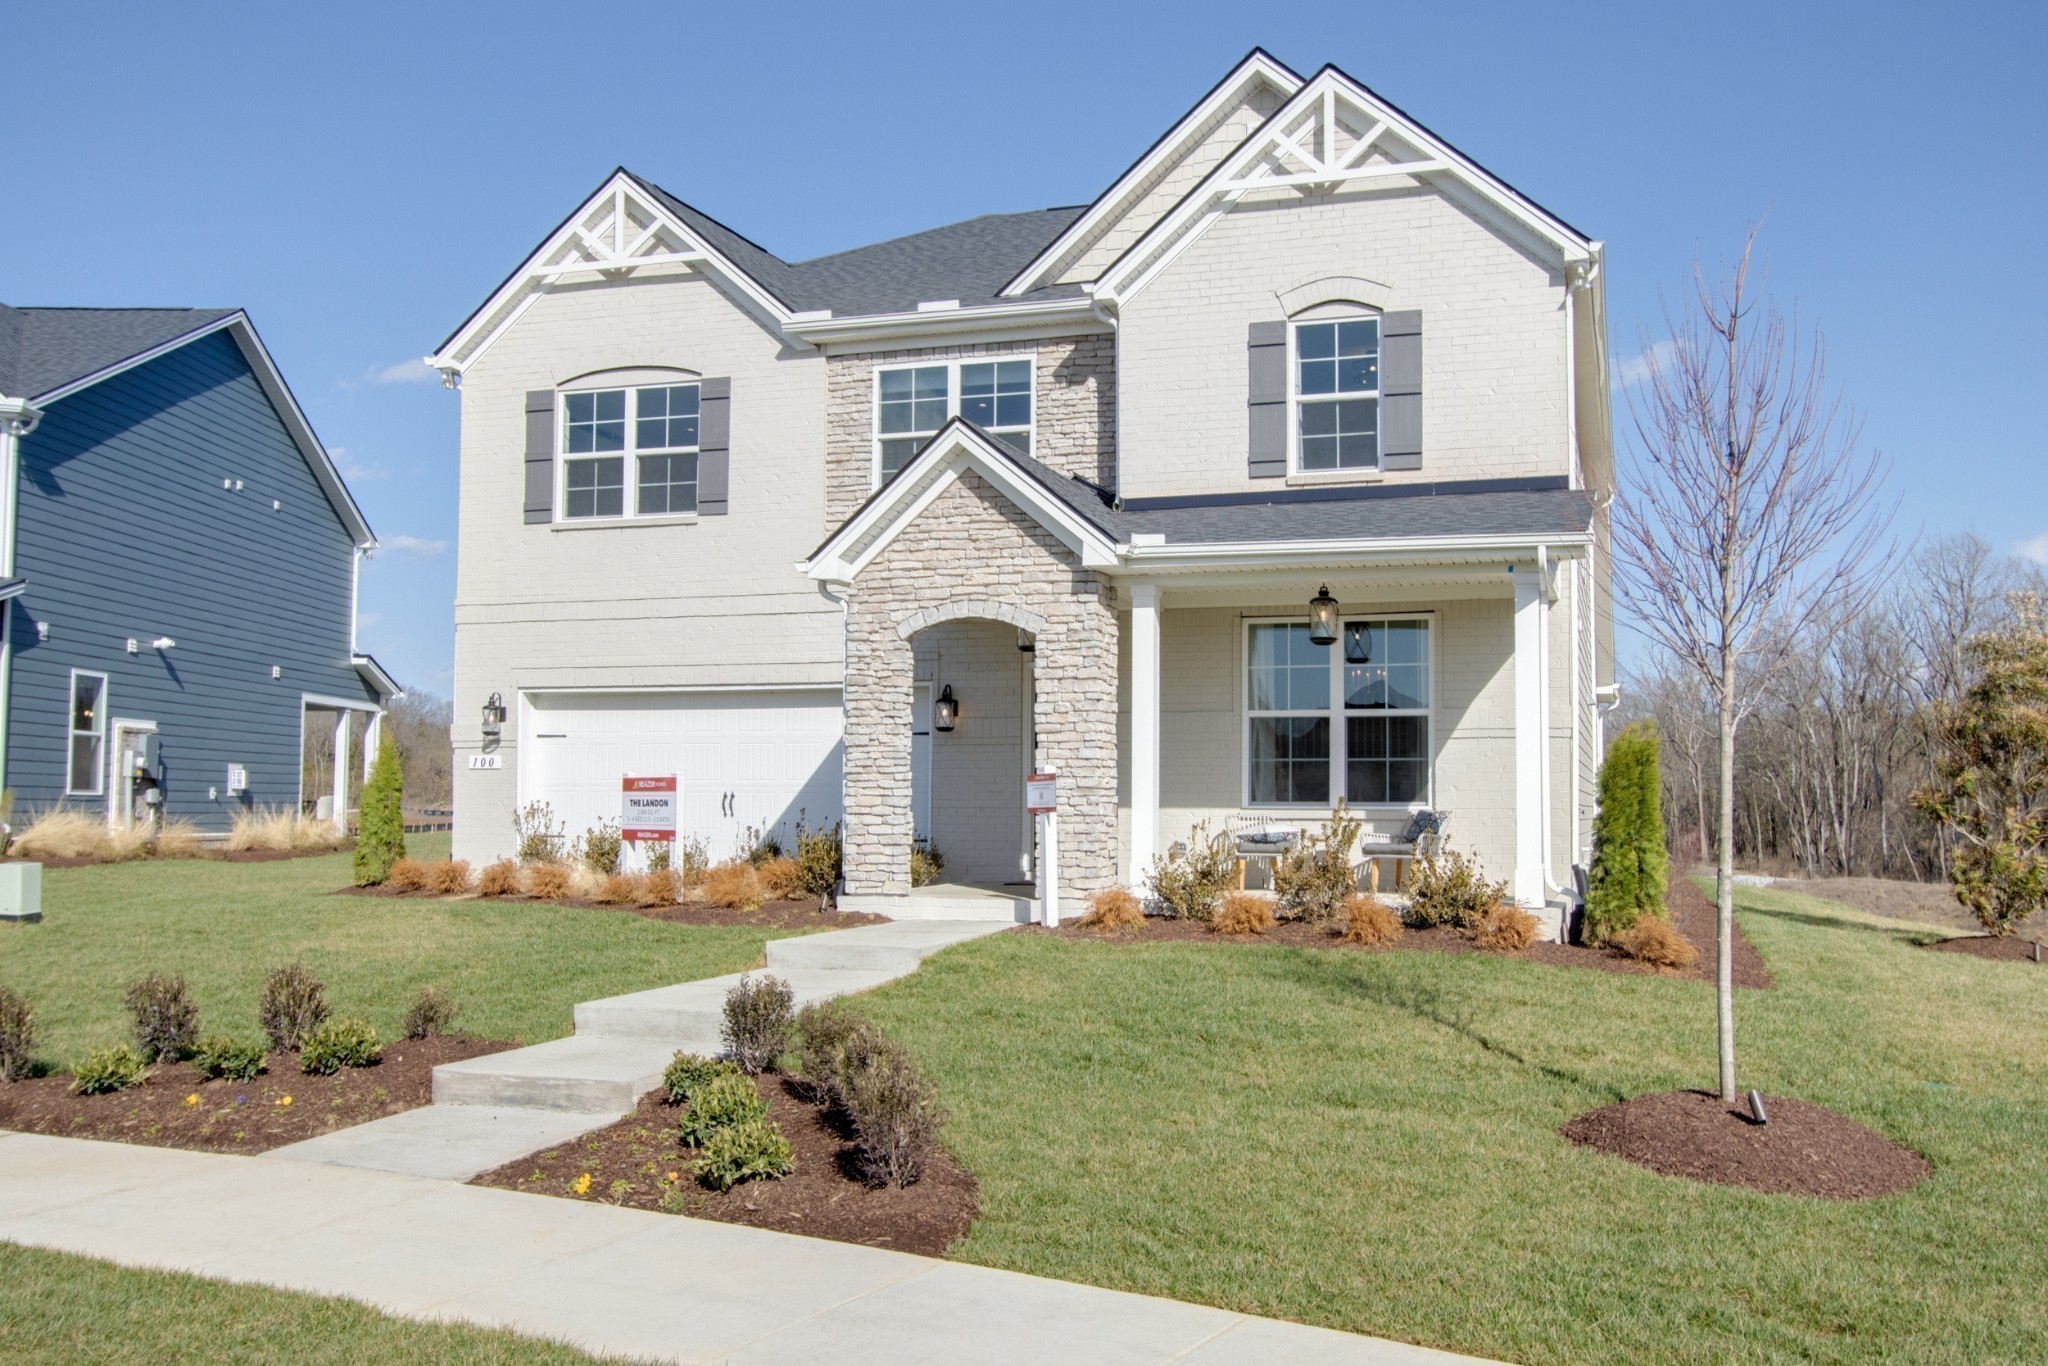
(1144,731)
(1530,725)
(341,729)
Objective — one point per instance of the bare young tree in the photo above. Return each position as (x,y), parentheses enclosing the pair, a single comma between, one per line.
(1747,513)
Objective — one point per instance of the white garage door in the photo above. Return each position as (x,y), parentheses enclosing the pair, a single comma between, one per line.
(746,759)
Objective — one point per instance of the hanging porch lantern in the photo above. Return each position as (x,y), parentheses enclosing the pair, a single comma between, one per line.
(946,710)
(494,715)
(1322,618)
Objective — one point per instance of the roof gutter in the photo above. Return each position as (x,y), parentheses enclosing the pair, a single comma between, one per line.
(820,328)
(1166,555)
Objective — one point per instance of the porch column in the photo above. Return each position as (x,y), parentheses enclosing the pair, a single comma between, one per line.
(373,735)
(1144,730)
(341,728)
(1530,723)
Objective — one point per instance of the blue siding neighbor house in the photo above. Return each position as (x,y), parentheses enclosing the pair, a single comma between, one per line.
(178,560)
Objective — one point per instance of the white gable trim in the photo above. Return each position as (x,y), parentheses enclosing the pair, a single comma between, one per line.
(600,238)
(1296,149)
(1256,69)
(957,449)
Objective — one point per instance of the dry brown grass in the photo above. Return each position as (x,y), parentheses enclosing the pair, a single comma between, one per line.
(1506,928)
(662,887)
(1652,940)
(179,839)
(407,875)
(1113,910)
(778,878)
(618,889)
(498,879)
(1243,913)
(735,885)
(66,833)
(279,828)
(449,877)
(1369,922)
(548,881)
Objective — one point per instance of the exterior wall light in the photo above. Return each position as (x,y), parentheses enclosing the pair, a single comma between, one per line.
(1322,618)
(946,710)
(494,715)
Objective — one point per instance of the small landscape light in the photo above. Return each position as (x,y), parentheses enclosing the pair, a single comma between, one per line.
(946,710)
(1756,1108)
(1322,618)
(494,714)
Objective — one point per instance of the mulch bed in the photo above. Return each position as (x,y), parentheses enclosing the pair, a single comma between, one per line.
(639,1163)
(1804,1150)
(773,915)
(1692,912)
(209,856)
(2011,948)
(238,1116)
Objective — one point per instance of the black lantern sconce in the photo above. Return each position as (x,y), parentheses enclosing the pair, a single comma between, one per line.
(494,715)
(946,710)
(1322,618)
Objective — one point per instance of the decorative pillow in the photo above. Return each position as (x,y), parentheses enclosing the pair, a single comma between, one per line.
(1422,823)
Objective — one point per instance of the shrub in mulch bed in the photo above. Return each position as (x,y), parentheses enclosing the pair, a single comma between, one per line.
(801,914)
(1805,1149)
(2011,948)
(638,1163)
(179,1106)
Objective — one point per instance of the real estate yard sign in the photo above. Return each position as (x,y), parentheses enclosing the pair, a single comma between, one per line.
(648,808)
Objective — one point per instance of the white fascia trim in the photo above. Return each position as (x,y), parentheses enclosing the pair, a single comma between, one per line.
(1158,558)
(326,703)
(905,329)
(1209,200)
(1113,201)
(640,689)
(373,673)
(463,349)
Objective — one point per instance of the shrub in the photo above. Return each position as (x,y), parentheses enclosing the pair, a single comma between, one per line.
(178,839)
(601,848)
(1507,928)
(1113,909)
(1628,874)
(166,1021)
(725,1100)
(1243,913)
(449,877)
(431,1013)
(1189,879)
(693,860)
(292,1005)
(819,858)
(824,1031)
(734,885)
(779,878)
(757,1020)
(407,875)
(539,838)
(926,863)
(106,1070)
(660,855)
(618,889)
(380,833)
(1313,878)
(338,1044)
(228,1058)
(1369,922)
(759,844)
(661,887)
(17,1036)
(498,879)
(752,1151)
(1654,941)
(1449,889)
(689,1073)
(547,881)
(896,1116)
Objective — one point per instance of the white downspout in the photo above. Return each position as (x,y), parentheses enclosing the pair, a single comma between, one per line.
(17,420)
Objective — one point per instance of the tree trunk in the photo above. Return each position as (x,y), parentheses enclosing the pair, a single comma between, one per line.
(1724,884)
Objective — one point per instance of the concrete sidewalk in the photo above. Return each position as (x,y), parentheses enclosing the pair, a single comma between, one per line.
(628,1282)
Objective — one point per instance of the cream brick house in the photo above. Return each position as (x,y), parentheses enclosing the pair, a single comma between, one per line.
(1079,472)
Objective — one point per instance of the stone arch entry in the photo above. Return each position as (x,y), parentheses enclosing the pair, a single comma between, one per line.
(969,608)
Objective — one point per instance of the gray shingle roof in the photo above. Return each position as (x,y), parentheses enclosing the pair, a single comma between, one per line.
(47,348)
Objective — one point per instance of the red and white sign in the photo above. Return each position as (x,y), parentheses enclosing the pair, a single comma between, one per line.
(1041,793)
(648,808)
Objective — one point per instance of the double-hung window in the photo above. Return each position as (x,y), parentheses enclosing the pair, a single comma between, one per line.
(1337,395)
(913,401)
(86,762)
(1350,720)
(655,426)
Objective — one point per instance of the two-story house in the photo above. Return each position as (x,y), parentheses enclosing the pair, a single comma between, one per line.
(1272,477)
(178,567)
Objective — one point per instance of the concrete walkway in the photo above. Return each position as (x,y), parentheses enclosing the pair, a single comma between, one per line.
(629,1282)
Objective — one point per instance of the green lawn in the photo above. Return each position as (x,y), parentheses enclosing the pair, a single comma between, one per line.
(1369,1141)
(72,1309)
(517,970)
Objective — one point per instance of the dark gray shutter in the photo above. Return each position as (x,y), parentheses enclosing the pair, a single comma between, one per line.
(1401,391)
(540,455)
(714,445)
(1268,398)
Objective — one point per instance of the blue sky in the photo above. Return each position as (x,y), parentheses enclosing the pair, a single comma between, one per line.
(360,176)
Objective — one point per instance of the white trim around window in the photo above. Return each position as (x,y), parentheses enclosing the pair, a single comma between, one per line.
(953,404)
(1323,698)
(1337,396)
(640,433)
(89,739)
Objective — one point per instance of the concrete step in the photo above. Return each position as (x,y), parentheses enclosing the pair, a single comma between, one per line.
(897,947)
(589,1075)
(689,1013)
(445,1142)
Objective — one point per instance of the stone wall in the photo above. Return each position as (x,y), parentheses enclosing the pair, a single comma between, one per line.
(974,553)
